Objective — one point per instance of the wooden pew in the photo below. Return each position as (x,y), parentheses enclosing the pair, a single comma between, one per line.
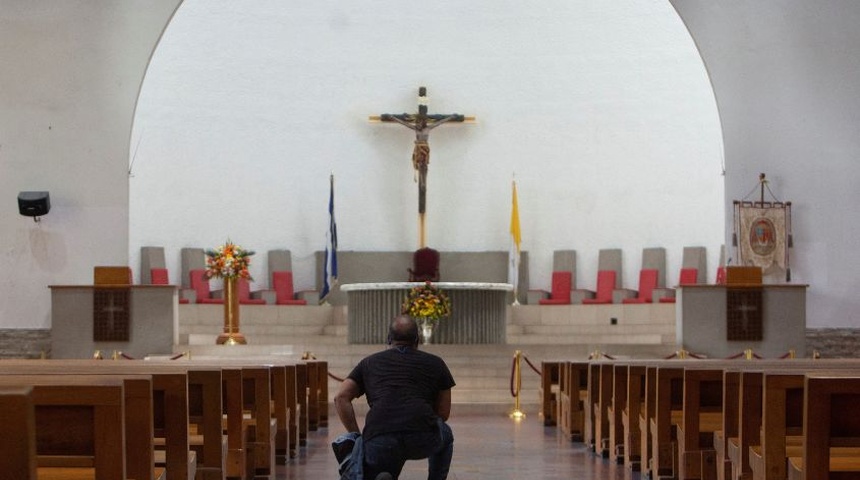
(760,400)
(245,391)
(668,390)
(548,391)
(830,419)
(321,389)
(592,401)
(87,422)
(601,403)
(783,436)
(631,414)
(169,402)
(770,408)
(233,462)
(289,392)
(302,403)
(18,442)
(573,392)
(702,416)
(731,420)
(615,410)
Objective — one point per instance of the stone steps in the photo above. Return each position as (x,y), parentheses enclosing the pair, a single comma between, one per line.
(482,372)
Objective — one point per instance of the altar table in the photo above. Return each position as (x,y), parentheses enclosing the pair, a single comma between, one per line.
(478,311)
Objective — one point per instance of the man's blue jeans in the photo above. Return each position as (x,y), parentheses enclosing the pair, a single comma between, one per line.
(389,452)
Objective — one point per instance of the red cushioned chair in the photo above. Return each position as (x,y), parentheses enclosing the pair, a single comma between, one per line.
(200,285)
(282,283)
(721,275)
(560,291)
(425,265)
(689,276)
(159,276)
(647,284)
(605,285)
(244,287)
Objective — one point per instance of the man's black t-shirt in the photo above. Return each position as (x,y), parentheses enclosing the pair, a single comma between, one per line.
(401,385)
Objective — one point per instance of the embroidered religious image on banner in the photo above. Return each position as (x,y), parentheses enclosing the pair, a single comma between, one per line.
(762,233)
(762,239)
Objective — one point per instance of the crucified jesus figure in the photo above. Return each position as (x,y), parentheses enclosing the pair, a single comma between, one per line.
(421,123)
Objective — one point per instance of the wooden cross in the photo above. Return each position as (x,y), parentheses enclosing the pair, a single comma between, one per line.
(111,309)
(421,123)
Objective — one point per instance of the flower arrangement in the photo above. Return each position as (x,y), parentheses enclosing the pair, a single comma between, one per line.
(228,261)
(426,301)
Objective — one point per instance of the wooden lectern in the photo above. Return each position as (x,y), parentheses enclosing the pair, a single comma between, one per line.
(744,304)
(111,304)
(743,275)
(112,276)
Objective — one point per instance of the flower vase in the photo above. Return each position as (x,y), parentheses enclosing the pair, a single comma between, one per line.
(426,326)
(231,335)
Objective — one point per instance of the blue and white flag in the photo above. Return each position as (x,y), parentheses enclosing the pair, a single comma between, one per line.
(330,267)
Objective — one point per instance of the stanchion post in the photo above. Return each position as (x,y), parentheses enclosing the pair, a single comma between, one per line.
(517,414)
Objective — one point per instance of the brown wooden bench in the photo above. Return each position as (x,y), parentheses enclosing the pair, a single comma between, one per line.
(84,424)
(572,392)
(771,414)
(169,402)
(18,442)
(615,411)
(600,406)
(630,416)
(830,418)
(548,391)
(702,416)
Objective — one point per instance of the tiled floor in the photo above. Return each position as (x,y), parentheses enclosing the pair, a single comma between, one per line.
(486,446)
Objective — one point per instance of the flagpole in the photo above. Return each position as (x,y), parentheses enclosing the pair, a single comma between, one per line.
(330,264)
(516,239)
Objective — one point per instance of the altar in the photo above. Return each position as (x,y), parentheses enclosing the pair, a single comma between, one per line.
(478,311)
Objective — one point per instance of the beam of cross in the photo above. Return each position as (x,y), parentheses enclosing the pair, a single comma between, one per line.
(744,309)
(421,123)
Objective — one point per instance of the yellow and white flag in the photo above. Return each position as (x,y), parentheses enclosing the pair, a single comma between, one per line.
(516,239)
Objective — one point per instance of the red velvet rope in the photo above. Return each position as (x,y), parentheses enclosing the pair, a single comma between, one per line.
(335,377)
(127,357)
(513,371)
(536,370)
(177,356)
(737,355)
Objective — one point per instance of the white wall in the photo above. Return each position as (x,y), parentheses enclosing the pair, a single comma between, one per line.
(603,110)
(69,80)
(787,80)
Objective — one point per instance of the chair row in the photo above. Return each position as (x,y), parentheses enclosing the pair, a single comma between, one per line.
(651,288)
(209,419)
(703,419)
(195,286)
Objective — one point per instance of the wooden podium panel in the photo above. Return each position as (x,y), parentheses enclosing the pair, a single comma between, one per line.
(111,306)
(743,275)
(112,276)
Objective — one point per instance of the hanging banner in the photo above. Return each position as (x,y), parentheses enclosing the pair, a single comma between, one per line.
(763,234)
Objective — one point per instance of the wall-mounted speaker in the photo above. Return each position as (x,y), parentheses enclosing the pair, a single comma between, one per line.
(34,204)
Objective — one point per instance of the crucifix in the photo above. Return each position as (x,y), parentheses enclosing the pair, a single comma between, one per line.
(421,123)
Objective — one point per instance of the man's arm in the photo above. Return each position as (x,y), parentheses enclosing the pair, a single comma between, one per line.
(443,404)
(404,119)
(440,119)
(343,404)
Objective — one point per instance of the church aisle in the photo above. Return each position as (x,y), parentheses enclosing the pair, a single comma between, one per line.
(486,446)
